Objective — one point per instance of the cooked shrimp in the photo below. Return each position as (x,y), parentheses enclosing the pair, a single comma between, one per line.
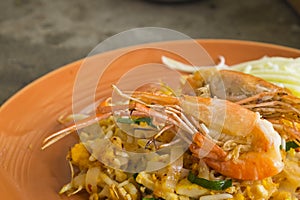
(263,159)
(237,85)
(274,103)
(197,117)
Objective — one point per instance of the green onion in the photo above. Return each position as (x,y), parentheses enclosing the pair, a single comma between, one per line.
(135,175)
(125,120)
(291,144)
(208,184)
(152,198)
(148,120)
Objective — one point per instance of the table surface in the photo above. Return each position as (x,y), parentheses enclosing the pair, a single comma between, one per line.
(37,37)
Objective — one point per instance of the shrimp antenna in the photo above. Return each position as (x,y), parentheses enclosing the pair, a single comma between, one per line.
(122,94)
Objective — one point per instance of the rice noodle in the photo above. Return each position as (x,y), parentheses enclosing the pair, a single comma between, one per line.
(216,197)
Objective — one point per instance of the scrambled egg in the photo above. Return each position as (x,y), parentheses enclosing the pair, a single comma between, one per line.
(79,156)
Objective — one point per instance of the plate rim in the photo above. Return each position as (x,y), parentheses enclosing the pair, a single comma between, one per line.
(200,41)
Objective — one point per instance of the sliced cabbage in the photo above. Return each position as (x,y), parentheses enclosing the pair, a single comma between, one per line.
(284,72)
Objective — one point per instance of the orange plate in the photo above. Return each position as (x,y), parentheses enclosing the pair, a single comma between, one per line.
(26,172)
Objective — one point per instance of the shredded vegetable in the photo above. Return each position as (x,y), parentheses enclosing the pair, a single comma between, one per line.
(281,71)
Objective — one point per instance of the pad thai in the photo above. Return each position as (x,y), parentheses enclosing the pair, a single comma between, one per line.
(241,145)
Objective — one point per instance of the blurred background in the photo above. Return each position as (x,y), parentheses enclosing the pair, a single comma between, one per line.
(38,36)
